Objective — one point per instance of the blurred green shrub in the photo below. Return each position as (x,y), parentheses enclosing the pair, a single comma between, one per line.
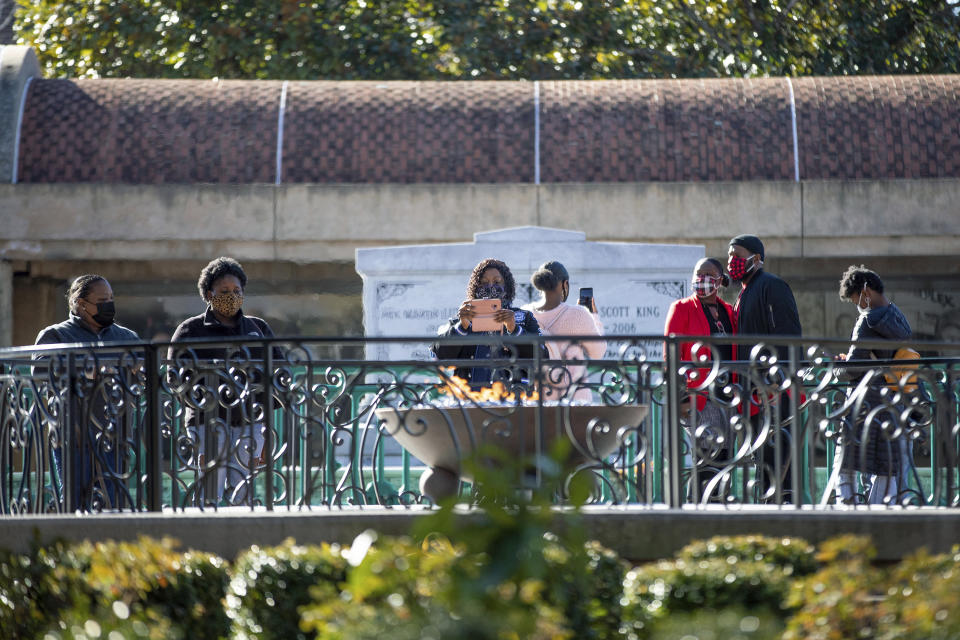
(732,623)
(842,599)
(652,593)
(586,584)
(269,584)
(850,598)
(391,591)
(62,587)
(500,572)
(33,591)
(924,597)
(725,574)
(148,623)
(795,555)
(495,574)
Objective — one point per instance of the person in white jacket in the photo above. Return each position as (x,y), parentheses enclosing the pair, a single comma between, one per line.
(565,381)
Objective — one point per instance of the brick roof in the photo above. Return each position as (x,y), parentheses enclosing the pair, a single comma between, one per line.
(200,131)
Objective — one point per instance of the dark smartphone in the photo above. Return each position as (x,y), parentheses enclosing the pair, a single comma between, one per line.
(586,297)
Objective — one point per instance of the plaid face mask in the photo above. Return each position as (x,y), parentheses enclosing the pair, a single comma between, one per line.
(705,286)
(738,268)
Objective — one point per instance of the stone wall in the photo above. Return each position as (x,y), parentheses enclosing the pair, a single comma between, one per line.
(298,242)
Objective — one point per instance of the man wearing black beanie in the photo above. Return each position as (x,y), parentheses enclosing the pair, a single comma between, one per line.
(765,307)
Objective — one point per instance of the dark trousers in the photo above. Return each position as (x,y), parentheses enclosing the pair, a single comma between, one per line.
(90,470)
(778,439)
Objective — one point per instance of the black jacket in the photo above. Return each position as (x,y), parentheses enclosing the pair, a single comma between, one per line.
(93,403)
(882,323)
(766,307)
(206,325)
(526,325)
(76,330)
(868,450)
(213,376)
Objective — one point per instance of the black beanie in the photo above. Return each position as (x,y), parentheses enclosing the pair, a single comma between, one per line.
(750,243)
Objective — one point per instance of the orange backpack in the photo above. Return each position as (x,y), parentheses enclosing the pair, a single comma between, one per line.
(903,373)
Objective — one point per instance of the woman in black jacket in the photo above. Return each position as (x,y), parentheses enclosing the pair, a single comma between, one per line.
(233,422)
(100,423)
(490,279)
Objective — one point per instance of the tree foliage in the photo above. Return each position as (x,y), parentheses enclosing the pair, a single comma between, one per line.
(489,39)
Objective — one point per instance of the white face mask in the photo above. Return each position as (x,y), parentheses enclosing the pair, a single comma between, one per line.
(864,310)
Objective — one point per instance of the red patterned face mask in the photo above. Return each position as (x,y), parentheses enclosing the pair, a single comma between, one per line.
(738,268)
(705,286)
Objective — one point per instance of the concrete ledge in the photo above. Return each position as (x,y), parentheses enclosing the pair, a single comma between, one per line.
(638,534)
(322,223)
(672,211)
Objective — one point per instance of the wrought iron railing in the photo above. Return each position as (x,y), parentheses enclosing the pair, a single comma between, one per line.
(313,423)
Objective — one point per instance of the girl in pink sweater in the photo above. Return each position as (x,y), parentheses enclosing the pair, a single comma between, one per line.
(558,318)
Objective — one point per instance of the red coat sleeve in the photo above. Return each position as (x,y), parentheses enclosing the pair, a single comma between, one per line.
(685,318)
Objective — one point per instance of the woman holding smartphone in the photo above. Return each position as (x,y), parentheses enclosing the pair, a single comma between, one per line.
(490,280)
(559,318)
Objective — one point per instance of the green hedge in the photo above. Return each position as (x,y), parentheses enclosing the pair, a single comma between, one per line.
(147,585)
(794,555)
(31,593)
(269,584)
(849,598)
(746,587)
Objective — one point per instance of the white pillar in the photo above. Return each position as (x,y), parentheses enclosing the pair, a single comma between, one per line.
(18,65)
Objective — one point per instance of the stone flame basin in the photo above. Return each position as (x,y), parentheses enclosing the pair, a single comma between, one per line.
(441,437)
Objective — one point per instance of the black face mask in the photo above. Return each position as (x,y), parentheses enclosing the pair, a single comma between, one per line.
(105,313)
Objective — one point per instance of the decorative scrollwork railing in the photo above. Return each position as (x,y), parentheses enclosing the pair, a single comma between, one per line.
(312,423)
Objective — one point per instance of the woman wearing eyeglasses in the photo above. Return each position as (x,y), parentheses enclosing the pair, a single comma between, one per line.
(705,313)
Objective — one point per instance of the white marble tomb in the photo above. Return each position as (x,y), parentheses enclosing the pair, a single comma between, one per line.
(412,290)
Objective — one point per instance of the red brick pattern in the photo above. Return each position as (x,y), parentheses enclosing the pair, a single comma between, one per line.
(193,131)
(406,132)
(666,130)
(878,127)
(149,131)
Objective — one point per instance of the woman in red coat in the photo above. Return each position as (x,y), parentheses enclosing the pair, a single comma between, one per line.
(705,314)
